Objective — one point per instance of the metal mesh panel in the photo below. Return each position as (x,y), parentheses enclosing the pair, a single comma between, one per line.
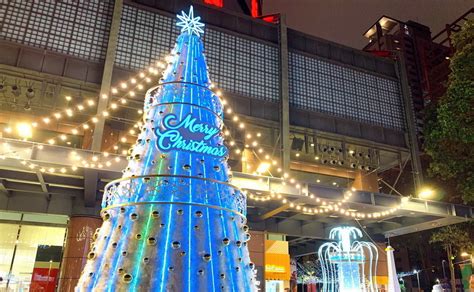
(243,66)
(326,87)
(70,27)
(236,64)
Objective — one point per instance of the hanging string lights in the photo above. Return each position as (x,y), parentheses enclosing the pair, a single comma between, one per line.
(267,162)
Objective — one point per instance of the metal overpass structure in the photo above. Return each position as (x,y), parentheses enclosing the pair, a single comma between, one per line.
(23,189)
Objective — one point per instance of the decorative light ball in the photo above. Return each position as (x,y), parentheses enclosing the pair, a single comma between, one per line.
(206,257)
(127,278)
(175,244)
(91,255)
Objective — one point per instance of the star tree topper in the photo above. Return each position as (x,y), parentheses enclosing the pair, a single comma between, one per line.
(190,24)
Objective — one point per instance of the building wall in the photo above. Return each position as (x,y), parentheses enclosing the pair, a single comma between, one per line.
(78,29)
(239,63)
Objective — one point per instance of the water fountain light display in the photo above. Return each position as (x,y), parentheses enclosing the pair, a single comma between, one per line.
(346,262)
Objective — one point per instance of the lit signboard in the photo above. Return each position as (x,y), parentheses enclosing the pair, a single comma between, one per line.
(275,269)
(188,134)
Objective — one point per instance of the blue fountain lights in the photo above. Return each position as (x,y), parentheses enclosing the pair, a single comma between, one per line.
(345,257)
(343,262)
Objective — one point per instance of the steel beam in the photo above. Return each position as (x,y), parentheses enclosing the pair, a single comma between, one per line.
(41,180)
(412,140)
(284,95)
(91,178)
(107,74)
(3,189)
(279,209)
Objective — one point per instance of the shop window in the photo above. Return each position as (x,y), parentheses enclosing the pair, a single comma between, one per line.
(30,256)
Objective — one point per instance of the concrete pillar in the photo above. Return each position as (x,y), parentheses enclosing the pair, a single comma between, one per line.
(107,75)
(284,96)
(79,237)
(412,140)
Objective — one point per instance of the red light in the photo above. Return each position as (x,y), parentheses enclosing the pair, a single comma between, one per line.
(255,8)
(218,3)
(271,18)
(384,54)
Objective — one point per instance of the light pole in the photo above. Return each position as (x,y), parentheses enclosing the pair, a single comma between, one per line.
(417,278)
(444,271)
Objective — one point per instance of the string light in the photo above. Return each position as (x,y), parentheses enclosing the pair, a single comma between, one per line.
(324,205)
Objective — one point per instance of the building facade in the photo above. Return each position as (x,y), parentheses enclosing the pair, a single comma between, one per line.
(72,81)
(426,57)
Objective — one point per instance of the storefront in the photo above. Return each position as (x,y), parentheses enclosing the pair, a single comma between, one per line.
(277,264)
(30,250)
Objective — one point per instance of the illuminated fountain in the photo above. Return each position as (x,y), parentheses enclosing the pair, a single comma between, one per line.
(344,262)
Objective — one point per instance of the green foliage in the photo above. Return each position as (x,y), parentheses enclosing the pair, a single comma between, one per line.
(450,127)
(454,237)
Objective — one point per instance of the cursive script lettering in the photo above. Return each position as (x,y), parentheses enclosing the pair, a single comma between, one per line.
(188,135)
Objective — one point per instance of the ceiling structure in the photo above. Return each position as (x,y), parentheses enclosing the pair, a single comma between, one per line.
(80,192)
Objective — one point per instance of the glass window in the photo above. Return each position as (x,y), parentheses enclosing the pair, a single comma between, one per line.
(73,27)
(30,256)
(236,64)
(340,91)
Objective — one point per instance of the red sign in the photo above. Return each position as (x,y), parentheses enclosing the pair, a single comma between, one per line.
(218,3)
(46,268)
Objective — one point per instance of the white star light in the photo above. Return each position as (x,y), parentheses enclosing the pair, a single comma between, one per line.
(190,24)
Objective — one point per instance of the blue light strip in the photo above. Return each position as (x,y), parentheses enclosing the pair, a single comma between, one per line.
(184,92)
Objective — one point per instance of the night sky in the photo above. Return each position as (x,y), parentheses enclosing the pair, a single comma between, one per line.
(344,21)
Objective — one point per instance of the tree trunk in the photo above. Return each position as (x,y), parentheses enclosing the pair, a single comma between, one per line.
(471,279)
(451,268)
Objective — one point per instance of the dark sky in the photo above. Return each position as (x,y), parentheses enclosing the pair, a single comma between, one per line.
(344,21)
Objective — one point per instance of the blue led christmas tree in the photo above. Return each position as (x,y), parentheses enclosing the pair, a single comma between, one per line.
(174,222)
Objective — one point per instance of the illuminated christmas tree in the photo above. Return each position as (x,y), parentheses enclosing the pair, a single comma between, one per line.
(174,222)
